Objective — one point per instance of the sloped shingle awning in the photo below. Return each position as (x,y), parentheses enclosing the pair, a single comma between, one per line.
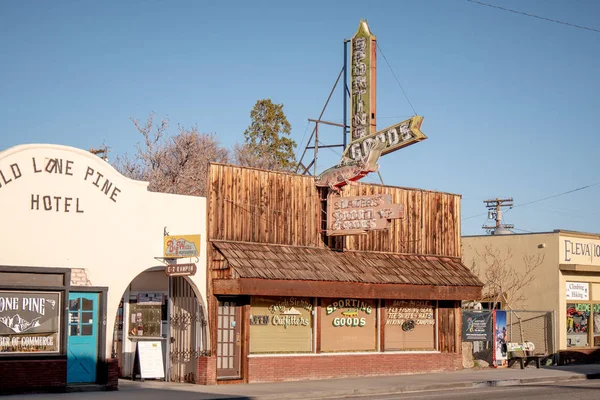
(277,270)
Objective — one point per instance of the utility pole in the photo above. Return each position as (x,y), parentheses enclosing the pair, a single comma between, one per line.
(494,207)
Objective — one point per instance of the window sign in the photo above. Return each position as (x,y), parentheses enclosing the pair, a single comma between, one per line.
(30,322)
(578,291)
(410,325)
(348,325)
(281,325)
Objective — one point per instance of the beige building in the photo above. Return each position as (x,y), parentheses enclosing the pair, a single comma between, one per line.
(82,269)
(561,272)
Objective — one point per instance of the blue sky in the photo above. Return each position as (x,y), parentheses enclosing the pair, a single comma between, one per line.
(511,103)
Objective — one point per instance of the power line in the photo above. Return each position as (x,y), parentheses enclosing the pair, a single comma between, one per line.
(534,16)
(395,77)
(542,199)
(556,195)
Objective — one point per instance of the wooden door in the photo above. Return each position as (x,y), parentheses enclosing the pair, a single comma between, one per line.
(229,332)
(82,341)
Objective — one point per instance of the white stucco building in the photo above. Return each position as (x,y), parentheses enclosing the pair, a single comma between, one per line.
(67,213)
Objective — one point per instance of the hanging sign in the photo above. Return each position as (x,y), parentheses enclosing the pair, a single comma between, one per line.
(181,246)
(180,269)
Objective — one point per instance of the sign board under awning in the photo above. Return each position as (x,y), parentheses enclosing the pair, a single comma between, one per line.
(180,269)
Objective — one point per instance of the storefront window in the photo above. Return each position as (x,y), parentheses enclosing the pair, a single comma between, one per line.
(596,308)
(578,316)
(30,322)
(281,325)
(348,325)
(409,325)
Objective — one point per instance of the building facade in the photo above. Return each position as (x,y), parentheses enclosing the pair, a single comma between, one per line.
(562,269)
(287,301)
(82,271)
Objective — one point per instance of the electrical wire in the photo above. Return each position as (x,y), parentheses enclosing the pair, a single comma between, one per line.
(303,137)
(538,200)
(395,77)
(556,195)
(534,16)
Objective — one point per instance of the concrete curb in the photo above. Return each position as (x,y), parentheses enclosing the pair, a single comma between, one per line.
(324,394)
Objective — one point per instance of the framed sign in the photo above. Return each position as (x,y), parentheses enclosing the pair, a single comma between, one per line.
(578,291)
(30,322)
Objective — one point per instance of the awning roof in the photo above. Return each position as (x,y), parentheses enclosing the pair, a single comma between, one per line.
(255,261)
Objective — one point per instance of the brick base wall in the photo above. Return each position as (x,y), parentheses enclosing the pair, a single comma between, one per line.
(272,369)
(32,376)
(206,371)
(112,379)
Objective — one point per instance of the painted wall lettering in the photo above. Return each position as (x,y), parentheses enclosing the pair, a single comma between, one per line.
(11,174)
(60,202)
(350,314)
(574,250)
(55,203)
(421,312)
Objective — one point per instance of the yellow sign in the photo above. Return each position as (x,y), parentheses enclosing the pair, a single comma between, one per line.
(181,246)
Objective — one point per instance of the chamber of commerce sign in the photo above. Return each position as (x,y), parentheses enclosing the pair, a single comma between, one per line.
(29,322)
(355,215)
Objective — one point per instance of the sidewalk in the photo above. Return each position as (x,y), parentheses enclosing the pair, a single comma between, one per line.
(322,389)
(377,385)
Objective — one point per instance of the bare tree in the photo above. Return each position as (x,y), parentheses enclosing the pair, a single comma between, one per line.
(176,164)
(502,281)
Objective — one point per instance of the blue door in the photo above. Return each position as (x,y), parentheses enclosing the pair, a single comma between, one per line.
(82,342)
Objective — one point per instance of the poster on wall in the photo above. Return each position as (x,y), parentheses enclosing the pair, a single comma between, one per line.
(29,322)
(500,338)
(477,326)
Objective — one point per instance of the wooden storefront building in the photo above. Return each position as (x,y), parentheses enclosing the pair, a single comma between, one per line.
(287,301)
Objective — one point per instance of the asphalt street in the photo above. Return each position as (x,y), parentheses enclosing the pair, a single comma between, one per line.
(580,390)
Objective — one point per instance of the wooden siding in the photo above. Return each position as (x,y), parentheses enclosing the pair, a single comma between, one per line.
(253,205)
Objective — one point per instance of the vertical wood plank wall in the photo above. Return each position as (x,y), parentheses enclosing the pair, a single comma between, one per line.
(254,205)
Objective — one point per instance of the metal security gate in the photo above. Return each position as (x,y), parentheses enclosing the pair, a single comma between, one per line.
(187,322)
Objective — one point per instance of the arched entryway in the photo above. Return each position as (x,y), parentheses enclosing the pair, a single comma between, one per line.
(166,312)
